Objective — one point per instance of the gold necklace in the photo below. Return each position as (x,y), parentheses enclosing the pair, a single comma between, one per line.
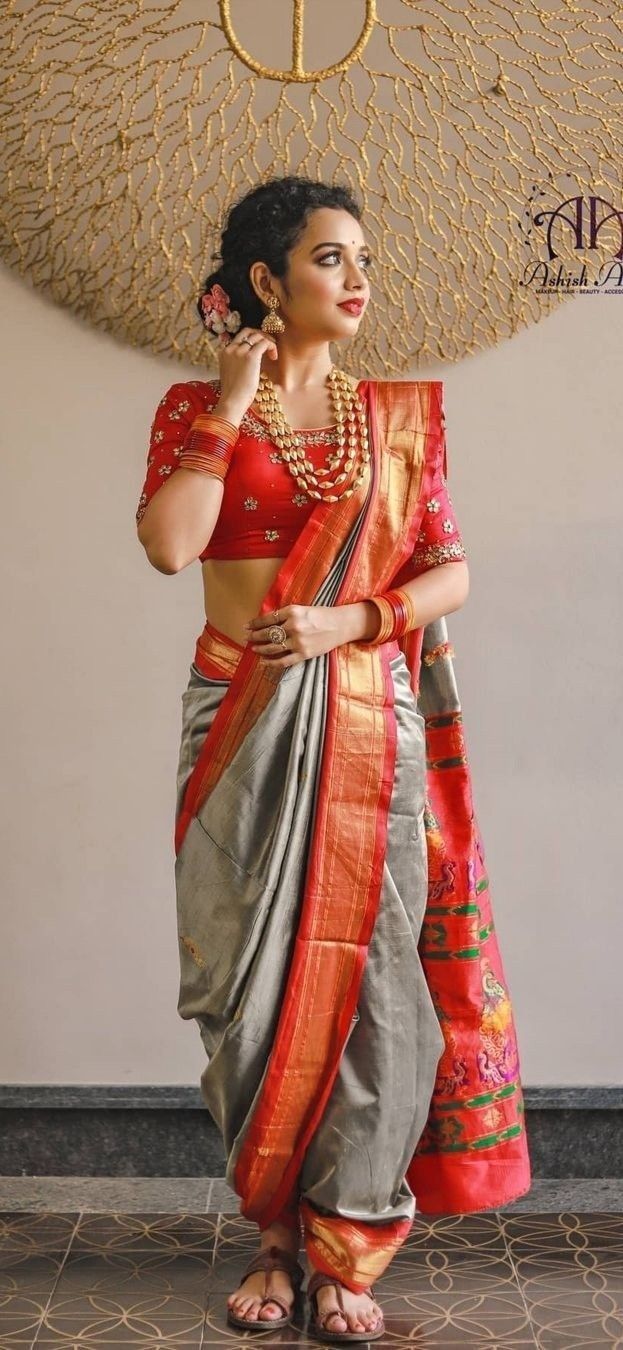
(352,435)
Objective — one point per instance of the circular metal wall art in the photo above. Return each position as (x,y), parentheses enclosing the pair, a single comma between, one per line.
(129,128)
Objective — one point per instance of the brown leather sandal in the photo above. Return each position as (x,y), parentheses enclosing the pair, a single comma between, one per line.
(317,1327)
(273,1258)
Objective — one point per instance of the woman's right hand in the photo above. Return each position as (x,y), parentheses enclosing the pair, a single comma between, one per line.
(239,369)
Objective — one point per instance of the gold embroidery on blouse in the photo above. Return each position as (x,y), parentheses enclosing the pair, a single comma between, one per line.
(251,503)
(159,435)
(321,436)
(300,498)
(317,436)
(271,534)
(448,526)
(252,424)
(438,553)
(432,505)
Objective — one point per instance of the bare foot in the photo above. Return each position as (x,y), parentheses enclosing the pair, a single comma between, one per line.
(361,1311)
(246,1299)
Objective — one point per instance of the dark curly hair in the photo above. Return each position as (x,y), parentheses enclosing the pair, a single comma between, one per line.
(263,226)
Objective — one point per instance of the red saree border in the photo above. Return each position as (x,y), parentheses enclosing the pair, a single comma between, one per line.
(355,1253)
(216,654)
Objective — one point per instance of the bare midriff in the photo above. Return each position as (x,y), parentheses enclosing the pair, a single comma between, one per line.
(234,589)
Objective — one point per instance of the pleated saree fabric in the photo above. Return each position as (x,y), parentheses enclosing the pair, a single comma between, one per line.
(337,946)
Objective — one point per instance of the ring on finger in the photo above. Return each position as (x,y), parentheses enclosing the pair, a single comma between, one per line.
(277,635)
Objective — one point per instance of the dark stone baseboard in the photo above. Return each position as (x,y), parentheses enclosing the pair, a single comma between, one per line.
(100,1130)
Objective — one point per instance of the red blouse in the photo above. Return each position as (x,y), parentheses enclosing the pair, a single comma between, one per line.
(263,510)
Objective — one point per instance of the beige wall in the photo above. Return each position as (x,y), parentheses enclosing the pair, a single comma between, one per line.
(97,650)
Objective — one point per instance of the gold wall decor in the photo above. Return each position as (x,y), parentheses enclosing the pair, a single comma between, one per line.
(129,126)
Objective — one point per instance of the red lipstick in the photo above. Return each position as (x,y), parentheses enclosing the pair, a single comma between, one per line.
(352,306)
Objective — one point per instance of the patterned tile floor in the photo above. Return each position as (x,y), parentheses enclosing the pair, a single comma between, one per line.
(91,1262)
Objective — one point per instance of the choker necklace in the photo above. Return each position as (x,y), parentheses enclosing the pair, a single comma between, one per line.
(352,435)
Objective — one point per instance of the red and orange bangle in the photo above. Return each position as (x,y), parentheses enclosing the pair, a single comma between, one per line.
(209,445)
(397,615)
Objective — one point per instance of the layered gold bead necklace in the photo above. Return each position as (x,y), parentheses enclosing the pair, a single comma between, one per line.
(352,436)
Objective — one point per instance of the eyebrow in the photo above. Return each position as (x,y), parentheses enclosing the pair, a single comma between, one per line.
(331,243)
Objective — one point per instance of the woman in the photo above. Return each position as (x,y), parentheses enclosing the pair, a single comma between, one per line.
(336,941)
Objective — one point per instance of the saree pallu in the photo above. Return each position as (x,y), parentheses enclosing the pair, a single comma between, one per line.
(337,947)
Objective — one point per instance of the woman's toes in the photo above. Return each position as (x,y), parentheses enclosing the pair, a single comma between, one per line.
(332,1316)
(270,1311)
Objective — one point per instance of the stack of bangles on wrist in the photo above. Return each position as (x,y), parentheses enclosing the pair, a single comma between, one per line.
(209,445)
(397,615)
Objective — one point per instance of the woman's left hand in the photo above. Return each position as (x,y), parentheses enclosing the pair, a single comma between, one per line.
(310,629)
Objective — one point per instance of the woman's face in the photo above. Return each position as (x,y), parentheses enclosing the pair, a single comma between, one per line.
(327,265)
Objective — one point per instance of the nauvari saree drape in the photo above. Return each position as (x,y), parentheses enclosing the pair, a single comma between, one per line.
(337,943)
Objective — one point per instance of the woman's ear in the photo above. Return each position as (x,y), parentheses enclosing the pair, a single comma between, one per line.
(260,281)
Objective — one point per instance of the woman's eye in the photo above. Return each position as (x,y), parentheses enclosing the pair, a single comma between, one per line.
(367,262)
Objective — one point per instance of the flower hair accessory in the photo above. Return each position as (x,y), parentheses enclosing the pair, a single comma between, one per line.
(217,316)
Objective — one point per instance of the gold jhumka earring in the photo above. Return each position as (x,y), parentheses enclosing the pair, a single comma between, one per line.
(272,322)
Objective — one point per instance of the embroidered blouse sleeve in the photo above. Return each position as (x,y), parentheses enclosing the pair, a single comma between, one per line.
(439,539)
(172,422)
